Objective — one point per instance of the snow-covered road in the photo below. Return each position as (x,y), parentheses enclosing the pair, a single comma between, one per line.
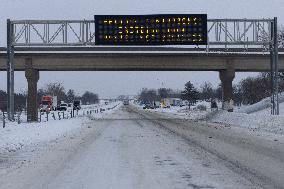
(136,149)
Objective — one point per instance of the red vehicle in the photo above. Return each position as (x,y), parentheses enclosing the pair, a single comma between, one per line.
(48,103)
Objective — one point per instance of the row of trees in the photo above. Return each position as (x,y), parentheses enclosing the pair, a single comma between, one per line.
(190,93)
(151,95)
(20,101)
(249,91)
(57,89)
(254,89)
(54,89)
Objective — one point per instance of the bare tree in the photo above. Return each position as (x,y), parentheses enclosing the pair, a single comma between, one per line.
(70,95)
(281,37)
(56,89)
(163,92)
(122,97)
(254,89)
(89,98)
(148,95)
(237,95)
(207,91)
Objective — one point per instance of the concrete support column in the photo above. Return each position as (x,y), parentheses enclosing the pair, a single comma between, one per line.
(227,77)
(32,76)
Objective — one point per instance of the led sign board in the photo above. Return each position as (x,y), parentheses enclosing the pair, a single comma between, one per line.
(170,29)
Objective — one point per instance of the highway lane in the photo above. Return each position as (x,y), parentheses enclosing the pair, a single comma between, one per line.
(133,148)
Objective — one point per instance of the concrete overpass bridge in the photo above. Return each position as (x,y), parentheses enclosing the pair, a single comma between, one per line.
(33,60)
(139,59)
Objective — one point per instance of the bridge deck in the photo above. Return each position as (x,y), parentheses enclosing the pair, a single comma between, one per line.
(140,59)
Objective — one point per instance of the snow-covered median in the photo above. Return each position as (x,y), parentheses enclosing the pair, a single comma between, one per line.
(260,121)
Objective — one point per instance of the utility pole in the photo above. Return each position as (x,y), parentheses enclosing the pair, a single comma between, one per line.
(276,65)
(274,68)
(10,71)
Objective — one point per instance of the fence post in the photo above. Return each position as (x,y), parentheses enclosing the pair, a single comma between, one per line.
(47,116)
(19,117)
(4,120)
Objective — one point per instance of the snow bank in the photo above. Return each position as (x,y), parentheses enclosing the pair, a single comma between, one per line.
(263,104)
(267,111)
(183,113)
(14,136)
(269,123)
(261,121)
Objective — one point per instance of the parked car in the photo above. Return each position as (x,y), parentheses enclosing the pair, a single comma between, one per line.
(126,102)
(63,107)
(184,103)
(148,106)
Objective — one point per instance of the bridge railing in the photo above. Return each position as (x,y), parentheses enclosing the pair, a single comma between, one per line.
(240,32)
(53,33)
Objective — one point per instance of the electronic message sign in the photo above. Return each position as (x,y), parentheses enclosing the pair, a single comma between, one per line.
(170,29)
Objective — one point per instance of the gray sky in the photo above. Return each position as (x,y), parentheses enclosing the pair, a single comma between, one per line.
(115,83)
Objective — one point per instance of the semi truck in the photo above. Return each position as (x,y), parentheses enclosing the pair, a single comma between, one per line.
(48,103)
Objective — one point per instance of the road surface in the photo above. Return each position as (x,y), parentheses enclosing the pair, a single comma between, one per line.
(139,149)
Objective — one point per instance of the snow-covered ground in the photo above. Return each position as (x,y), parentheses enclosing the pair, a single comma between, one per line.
(260,121)
(263,105)
(255,122)
(267,111)
(14,136)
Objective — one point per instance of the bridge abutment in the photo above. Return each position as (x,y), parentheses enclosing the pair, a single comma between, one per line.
(227,76)
(32,76)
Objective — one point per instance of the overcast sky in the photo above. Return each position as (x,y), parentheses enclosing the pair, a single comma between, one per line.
(114,83)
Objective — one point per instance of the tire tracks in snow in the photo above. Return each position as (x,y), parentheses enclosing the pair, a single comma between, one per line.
(172,126)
